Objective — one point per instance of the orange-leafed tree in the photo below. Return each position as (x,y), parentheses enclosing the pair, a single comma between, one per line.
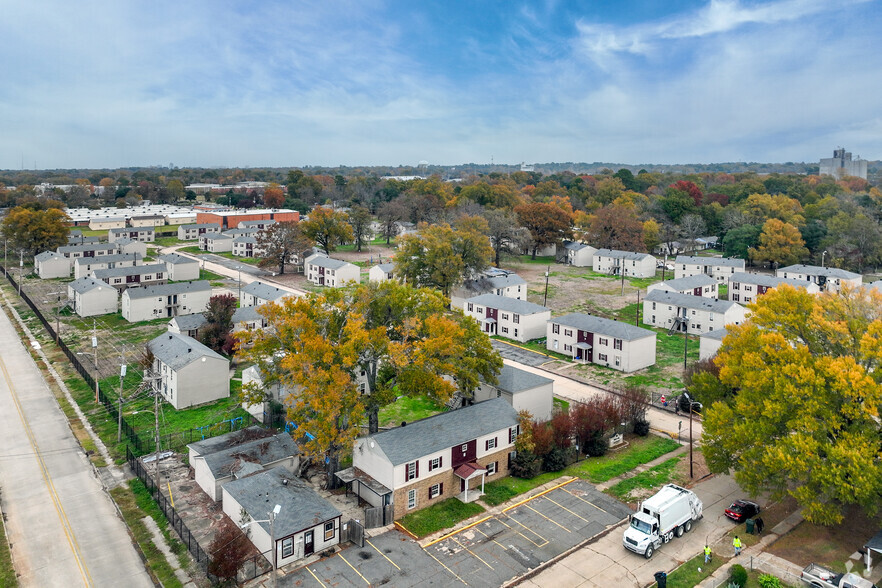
(548,224)
(273,196)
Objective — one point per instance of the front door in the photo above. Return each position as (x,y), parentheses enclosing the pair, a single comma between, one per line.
(462,485)
(308,543)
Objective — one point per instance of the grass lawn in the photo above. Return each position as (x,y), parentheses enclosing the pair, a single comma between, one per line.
(595,469)
(645,483)
(408,409)
(168,241)
(437,517)
(687,575)
(560,404)
(7,572)
(548,260)
(135,503)
(194,249)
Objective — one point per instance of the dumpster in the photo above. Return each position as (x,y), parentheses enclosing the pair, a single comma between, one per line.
(661,579)
(750,525)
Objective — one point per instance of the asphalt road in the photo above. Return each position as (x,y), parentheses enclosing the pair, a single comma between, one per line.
(63,527)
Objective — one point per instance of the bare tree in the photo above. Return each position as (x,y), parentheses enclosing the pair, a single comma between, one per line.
(692,226)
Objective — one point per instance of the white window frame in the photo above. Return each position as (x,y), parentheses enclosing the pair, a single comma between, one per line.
(411,499)
(434,490)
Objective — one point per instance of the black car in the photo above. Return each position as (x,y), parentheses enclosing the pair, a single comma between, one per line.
(741,510)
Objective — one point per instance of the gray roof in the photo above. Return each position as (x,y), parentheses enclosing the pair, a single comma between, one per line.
(765,280)
(814,270)
(489,283)
(137,270)
(575,246)
(46,255)
(629,255)
(603,326)
(189,322)
(245,239)
(177,351)
(216,236)
(718,261)
(690,282)
(168,289)
(443,431)
(231,460)
(126,241)
(301,509)
(237,232)
(79,239)
(132,229)
(87,284)
(227,440)
(107,258)
(386,267)
(246,314)
(507,304)
(514,380)
(264,291)
(108,218)
(201,226)
(88,247)
(328,263)
(715,334)
(690,301)
(176,259)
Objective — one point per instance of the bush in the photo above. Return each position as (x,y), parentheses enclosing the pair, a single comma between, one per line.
(768,581)
(641,428)
(526,465)
(596,446)
(738,576)
(555,460)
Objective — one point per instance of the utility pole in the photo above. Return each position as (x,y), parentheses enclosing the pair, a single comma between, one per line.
(20,270)
(685,341)
(122,374)
(156,423)
(622,268)
(95,342)
(545,303)
(691,472)
(637,311)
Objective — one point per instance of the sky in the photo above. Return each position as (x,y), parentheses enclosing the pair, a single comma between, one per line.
(293,83)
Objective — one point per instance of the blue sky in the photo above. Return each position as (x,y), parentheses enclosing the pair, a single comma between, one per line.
(295,83)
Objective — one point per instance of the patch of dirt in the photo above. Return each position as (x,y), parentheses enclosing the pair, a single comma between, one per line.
(828,546)
(699,468)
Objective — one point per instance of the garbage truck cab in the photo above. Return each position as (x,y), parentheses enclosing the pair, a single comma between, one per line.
(671,512)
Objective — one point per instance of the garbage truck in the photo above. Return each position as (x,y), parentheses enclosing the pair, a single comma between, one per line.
(670,512)
(820,577)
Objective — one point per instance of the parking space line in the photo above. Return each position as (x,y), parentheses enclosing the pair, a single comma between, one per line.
(383,554)
(549,519)
(353,569)
(568,510)
(432,555)
(504,548)
(585,501)
(314,576)
(544,540)
(478,557)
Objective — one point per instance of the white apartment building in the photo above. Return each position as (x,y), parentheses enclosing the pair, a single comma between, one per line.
(592,339)
(693,314)
(828,279)
(746,288)
(719,268)
(617,263)
(333,273)
(698,285)
(508,317)
(166,301)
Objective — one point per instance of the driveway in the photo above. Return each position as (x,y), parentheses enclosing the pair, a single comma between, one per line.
(606,563)
(520,355)
(488,553)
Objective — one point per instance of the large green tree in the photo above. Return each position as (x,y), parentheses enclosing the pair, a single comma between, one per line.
(34,231)
(440,256)
(794,409)
(402,340)
(328,228)
(360,221)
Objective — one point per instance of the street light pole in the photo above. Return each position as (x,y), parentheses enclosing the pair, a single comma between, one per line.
(691,472)
(823,255)
(545,302)
(20,270)
(272,522)
(239,283)
(122,374)
(685,342)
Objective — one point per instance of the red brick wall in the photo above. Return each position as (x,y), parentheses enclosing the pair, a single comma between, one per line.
(234,220)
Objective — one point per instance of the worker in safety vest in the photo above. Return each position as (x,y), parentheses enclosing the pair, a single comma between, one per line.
(737,544)
(707,554)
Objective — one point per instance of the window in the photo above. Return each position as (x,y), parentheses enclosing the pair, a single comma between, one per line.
(603,341)
(568,332)
(504,329)
(329,530)
(435,490)
(693,313)
(653,306)
(412,471)
(287,547)
(653,319)
(490,444)
(567,347)
(554,344)
(601,357)
(711,318)
(618,360)
(434,464)
(480,310)
(471,307)
(512,434)
(504,316)
(515,332)
(492,468)
(516,318)
(735,297)
(411,499)
(555,328)
(617,344)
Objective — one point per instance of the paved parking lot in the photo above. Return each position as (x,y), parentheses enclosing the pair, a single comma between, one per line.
(488,553)
(520,355)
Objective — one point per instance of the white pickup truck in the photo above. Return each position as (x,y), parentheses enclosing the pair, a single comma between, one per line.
(820,577)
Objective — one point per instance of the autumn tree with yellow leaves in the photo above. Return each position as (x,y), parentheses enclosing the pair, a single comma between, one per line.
(794,409)
(403,340)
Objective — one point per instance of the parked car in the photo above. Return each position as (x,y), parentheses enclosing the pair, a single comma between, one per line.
(741,510)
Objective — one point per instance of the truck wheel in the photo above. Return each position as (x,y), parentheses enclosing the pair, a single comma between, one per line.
(649,552)
(688,526)
(680,531)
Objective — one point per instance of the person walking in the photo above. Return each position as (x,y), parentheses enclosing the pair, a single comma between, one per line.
(737,544)
(759,524)
(707,554)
